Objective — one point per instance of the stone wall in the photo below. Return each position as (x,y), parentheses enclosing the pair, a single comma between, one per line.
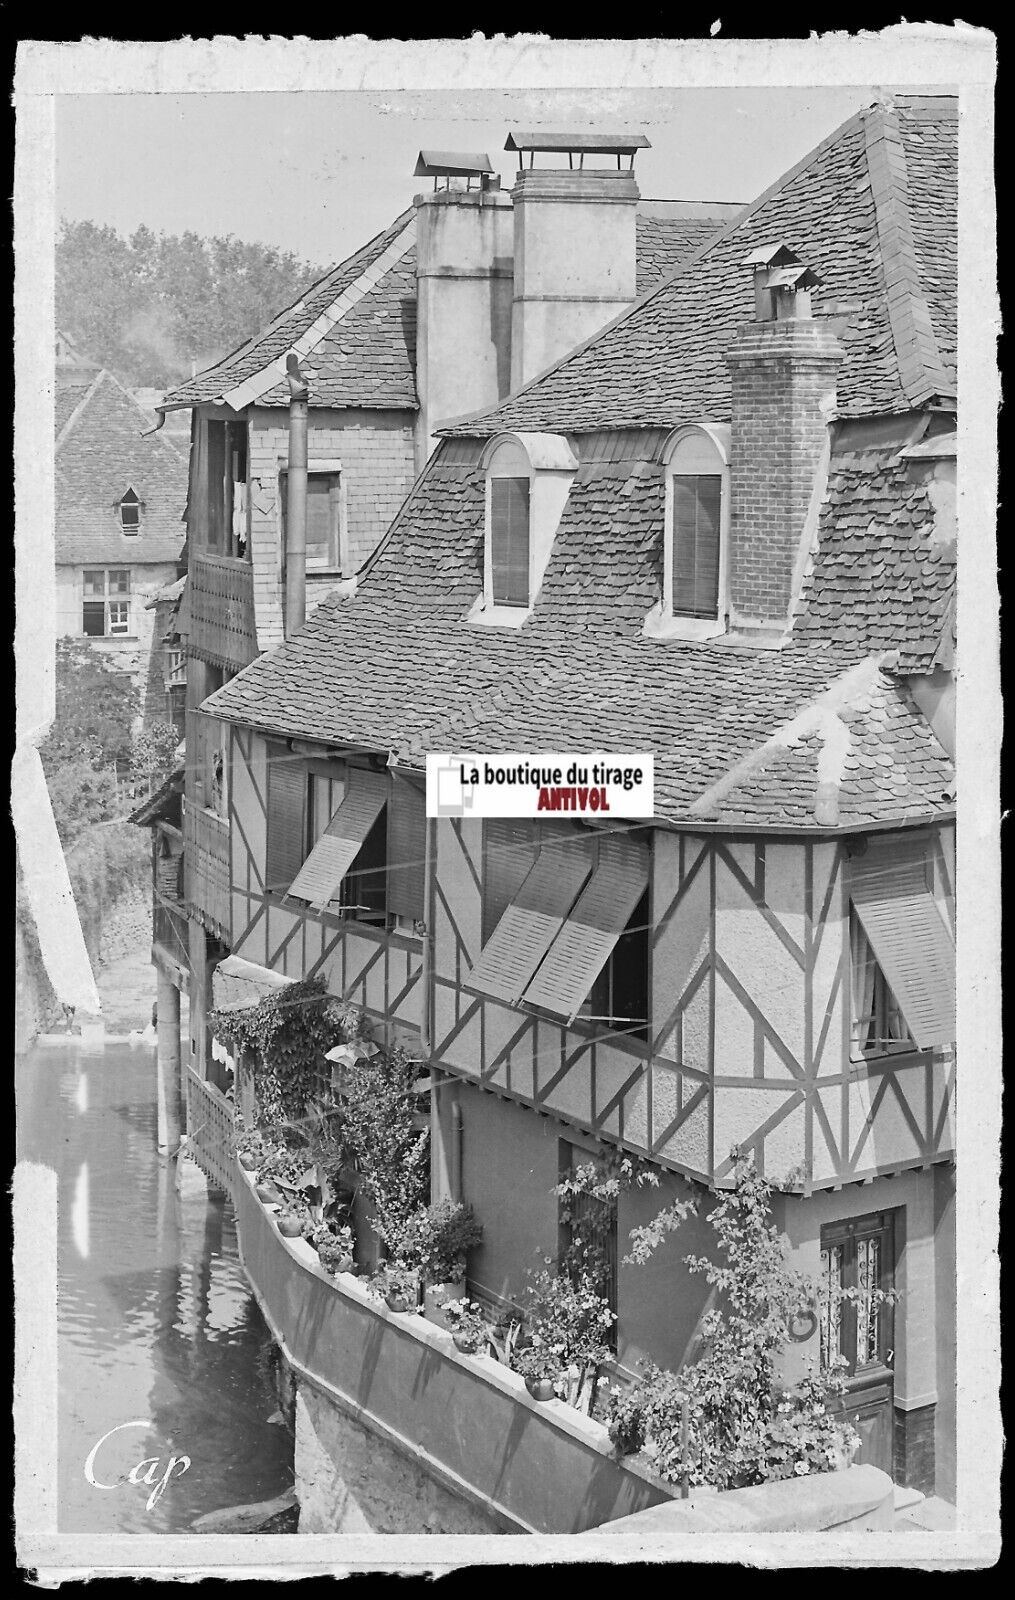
(351,1481)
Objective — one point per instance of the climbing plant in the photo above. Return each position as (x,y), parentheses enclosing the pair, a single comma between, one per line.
(285,1036)
(381,1127)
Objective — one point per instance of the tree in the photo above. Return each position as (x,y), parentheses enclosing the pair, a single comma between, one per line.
(95,709)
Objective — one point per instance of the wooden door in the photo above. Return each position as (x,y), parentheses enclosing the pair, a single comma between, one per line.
(859,1255)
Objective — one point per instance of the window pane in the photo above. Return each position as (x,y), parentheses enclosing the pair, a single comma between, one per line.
(216,484)
(119,580)
(93,618)
(130,516)
(509,540)
(95,583)
(119,616)
(831,1304)
(319,512)
(696,510)
(868,1271)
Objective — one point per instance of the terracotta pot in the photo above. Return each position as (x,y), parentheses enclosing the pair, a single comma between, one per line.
(397,1302)
(540,1388)
(289,1227)
(467,1344)
(268,1193)
(248,1161)
(434,1297)
(346,1264)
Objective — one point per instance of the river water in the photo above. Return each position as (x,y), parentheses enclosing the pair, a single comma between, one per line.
(155,1322)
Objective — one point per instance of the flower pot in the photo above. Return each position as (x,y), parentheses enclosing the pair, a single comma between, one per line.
(248,1161)
(434,1297)
(398,1302)
(346,1264)
(267,1193)
(540,1388)
(289,1227)
(468,1345)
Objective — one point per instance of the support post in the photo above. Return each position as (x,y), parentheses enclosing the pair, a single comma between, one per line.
(170,1117)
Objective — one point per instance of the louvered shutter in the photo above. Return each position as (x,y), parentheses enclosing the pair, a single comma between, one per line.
(532,921)
(696,507)
(287,810)
(589,936)
(509,854)
(909,937)
(509,536)
(406,849)
(337,848)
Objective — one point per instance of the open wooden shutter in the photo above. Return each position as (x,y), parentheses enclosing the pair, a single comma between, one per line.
(909,937)
(337,848)
(406,849)
(510,848)
(287,815)
(587,940)
(530,924)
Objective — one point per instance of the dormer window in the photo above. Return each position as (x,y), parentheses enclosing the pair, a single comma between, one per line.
(130,514)
(696,465)
(528,476)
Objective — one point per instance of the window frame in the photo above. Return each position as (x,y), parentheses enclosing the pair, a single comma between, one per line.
(339,560)
(548,463)
(491,552)
(225,502)
(842,1325)
(130,501)
(872,1003)
(713,445)
(107,599)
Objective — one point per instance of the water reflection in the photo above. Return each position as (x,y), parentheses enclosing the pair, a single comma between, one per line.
(156,1324)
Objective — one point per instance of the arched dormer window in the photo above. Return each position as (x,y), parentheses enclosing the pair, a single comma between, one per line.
(528,476)
(130,513)
(696,540)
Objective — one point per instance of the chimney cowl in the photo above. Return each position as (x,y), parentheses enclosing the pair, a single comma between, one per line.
(782,283)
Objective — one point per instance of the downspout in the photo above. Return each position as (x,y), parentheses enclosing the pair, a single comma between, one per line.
(425,1026)
(296,501)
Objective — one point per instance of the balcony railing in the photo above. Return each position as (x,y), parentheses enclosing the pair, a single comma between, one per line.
(170,934)
(222,628)
(206,870)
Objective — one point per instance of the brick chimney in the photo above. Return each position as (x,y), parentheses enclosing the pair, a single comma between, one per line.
(464,246)
(783,369)
(574,242)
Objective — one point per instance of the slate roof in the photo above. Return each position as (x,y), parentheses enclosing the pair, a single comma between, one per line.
(100,453)
(661,362)
(883,576)
(280,335)
(668,232)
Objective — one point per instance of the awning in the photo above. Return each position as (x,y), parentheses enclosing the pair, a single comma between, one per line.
(237,985)
(337,848)
(911,943)
(531,923)
(588,938)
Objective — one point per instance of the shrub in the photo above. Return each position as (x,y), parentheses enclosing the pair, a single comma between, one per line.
(390,1152)
(437,1238)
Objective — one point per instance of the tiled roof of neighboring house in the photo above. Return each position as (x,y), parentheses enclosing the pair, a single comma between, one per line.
(415,676)
(293,323)
(883,575)
(100,454)
(367,357)
(871,229)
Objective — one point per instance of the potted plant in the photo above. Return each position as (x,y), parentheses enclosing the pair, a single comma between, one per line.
(447,1231)
(539,1365)
(267,1192)
(289,1220)
(334,1247)
(397,1284)
(469,1327)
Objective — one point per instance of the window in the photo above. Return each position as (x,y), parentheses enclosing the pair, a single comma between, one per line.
(696,521)
(326,520)
(565,921)
(509,541)
(287,810)
(105,606)
(130,514)
(902,952)
(858,1256)
(528,478)
(227,487)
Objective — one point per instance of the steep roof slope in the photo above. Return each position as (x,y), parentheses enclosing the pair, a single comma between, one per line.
(864,211)
(100,454)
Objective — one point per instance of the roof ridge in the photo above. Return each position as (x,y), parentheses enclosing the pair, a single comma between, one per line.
(921,371)
(68,426)
(393,229)
(689,262)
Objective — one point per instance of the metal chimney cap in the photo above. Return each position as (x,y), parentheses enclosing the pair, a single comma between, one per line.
(794,277)
(451,164)
(606,144)
(772,255)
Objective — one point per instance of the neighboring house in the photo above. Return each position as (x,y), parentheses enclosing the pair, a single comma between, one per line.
(723,530)
(120,500)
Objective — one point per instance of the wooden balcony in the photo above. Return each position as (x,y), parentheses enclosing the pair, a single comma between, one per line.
(206,869)
(170,939)
(222,626)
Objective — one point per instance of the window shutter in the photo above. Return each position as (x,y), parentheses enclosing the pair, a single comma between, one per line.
(910,940)
(509,537)
(530,924)
(406,849)
(589,936)
(696,510)
(287,806)
(337,848)
(509,854)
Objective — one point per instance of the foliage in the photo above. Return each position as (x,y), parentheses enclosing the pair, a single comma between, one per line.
(149,306)
(745,1426)
(584,1258)
(286,1034)
(437,1238)
(106,864)
(396,1277)
(468,1323)
(333,1246)
(390,1152)
(567,1325)
(95,710)
(153,751)
(82,796)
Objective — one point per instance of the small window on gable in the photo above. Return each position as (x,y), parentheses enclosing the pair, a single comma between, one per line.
(326,536)
(528,476)
(697,520)
(130,513)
